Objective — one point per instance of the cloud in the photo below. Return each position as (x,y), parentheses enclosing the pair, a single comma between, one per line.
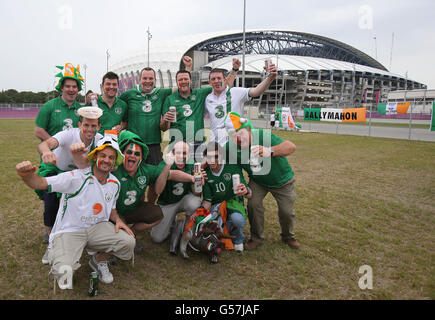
(41,34)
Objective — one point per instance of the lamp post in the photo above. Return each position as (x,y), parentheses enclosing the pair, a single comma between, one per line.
(376,49)
(149,36)
(244,44)
(85,67)
(107,60)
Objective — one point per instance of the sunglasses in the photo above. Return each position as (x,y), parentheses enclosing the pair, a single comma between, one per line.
(130,152)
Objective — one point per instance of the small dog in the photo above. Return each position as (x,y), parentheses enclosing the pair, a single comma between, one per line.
(206,240)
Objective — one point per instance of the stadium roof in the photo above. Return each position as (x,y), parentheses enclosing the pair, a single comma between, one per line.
(296,51)
(255,63)
(167,54)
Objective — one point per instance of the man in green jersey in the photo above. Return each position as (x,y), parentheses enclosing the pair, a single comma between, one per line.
(114,109)
(189,110)
(186,123)
(144,110)
(60,113)
(263,156)
(135,175)
(178,196)
(219,187)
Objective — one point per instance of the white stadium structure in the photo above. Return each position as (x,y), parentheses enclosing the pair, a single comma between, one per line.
(314,71)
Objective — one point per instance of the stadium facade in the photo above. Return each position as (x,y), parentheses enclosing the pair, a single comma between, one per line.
(314,71)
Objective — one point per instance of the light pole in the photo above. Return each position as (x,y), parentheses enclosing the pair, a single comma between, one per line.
(85,67)
(149,36)
(107,60)
(244,44)
(376,49)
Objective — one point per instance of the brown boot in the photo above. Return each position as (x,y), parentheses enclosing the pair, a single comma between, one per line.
(292,243)
(252,244)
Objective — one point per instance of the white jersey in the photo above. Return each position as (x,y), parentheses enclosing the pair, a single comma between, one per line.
(84,201)
(219,106)
(63,154)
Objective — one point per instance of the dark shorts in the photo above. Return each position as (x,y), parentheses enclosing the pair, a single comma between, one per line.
(145,212)
(155,155)
(51,206)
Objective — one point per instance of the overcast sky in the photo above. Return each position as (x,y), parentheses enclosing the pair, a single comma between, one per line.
(38,35)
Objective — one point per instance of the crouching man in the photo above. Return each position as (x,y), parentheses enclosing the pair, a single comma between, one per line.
(87,204)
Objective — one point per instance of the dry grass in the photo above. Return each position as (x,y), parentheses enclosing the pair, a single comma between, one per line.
(360,201)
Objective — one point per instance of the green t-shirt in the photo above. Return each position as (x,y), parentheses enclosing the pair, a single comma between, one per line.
(144,113)
(174,190)
(55,116)
(219,186)
(190,114)
(275,171)
(112,116)
(132,189)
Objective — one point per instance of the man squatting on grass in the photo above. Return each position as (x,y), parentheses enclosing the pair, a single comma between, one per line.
(61,160)
(275,175)
(87,204)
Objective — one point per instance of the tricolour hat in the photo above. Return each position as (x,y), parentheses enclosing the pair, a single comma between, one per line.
(126,137)
(234,122)
(90,112)
(107,141)
(69,72)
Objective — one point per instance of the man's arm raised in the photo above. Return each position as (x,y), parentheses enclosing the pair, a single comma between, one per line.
(45,148)
(265,84)
(26,170)
(233,72)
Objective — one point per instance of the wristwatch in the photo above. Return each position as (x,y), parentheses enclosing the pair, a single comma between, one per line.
(271,151)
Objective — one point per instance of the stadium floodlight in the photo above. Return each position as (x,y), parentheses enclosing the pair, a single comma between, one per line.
(149,38)
(244,44)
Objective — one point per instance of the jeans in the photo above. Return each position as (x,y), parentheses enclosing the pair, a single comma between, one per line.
(236,223)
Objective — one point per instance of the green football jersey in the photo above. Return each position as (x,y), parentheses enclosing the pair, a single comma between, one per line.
(219,186)
(112,116)
(55,116)
(144,113)
(190,115)
(132,189)
(273,174)
(174,190)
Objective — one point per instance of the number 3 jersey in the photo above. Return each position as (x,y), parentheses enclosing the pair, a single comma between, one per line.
(85,201)
(55,116)
(218,107)
(132,189)
(174,190)
(190,115)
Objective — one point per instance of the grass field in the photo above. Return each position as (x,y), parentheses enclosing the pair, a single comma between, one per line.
(360,201)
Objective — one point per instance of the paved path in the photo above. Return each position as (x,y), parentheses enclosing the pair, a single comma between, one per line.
(375,131)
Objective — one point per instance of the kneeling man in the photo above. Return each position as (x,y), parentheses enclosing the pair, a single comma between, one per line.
(88,203)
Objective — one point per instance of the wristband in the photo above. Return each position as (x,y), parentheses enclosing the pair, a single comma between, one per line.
(235,70)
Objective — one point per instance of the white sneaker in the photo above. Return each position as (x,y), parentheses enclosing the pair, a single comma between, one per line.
(103,270)
(238,247)
(45,257)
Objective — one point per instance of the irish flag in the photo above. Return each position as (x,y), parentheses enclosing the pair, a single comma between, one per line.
(335,115)
(393,108)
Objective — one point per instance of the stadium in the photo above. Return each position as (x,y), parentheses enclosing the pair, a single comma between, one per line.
(314,71)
